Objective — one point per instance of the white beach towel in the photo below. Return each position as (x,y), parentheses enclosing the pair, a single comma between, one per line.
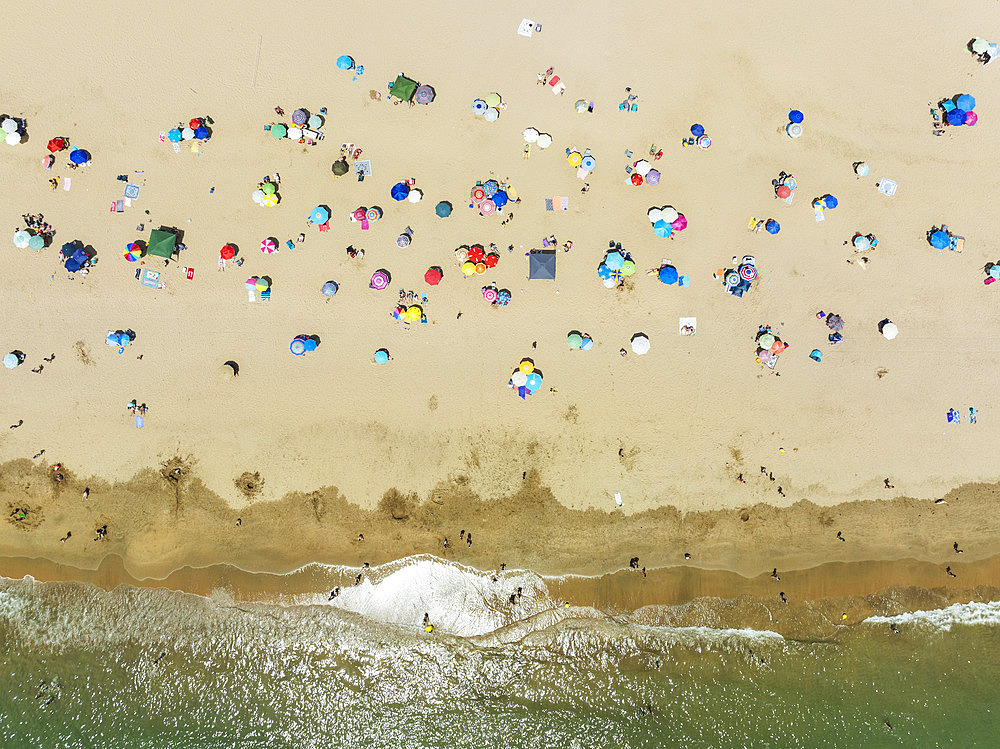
(887,187)
(819,215)
(527,27)
(67,181)
(251,297)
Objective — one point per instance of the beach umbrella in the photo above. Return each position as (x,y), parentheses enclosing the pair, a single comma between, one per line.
(966,102)
(503,297)
(413,313)
(765,341)
(478,194)
(748,272)
(360,213)
(939,239)
(640,344)
(493,99)
(11,360)
(201,133)
(668,275)
(971,118)
(956,117)
(476,253)
(228,252)
(783,191)
(574,340)
(433,276)
(654,214)
(772,226)
(22,239)
(491,260)
(256,196)
(796,116)
(479,107)
(500,199)
(79,156)
(697,131)
(278,131)
(628,268)
(330,288)
(492,114)
(9,125)
(491,187)
(544,140)
(251,283)
(379,280)
(299,116)
(652,177)
(399,191)
(468,268)
(294,133)
(642,167)
(403,240)
(530,135)
(793,130)
(315,122)
(731,280)
(228,370)
(319,215)
(36,243)
(830,202)
(862,243)
(187,133)
(381,356)
(574,158)
(12,139)
(587,343)
(614,260)
(297,346)
(268,246)
(487,207)
(269,200)
(889,330)
(374,213)
(861,169)
(636,179)
(174,136)
(443,209)
(518,379)
(345,62)
(414,196)
(424,94)
(263,284)
(533,381)
(669,214)
(980,45)
(340,168)
(132,252)
(490,294)
(480,268)
(835,322)
(269,188)
(588,163)
(604,272)
(527,366)
(56,144)
(680,223)
(194,123)
(581,106)
(662,229)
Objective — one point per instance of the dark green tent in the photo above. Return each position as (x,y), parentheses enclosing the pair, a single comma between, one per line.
(403,88)
(161,243)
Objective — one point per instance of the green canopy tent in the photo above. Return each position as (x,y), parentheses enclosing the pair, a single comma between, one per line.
(403,88)
(161,243)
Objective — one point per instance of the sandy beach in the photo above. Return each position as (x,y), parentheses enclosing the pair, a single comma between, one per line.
(331,438)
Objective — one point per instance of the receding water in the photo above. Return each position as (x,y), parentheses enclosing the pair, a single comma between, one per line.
(83,667)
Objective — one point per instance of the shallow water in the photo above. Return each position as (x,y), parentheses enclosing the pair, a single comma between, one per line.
(155,668)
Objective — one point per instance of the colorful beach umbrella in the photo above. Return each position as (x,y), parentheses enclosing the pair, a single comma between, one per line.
(636,179)
(424,94)
(830,202)
(766,341)
(965,102)
(268,246)
(971,118)
(503,297)
(533,382)
(228,252)
(479,107)
(442,209)
(668,275)
(174,135)
(783,191)
(487,207)
(433,276)
(299,116)
(662,229)
(476,253)
(527,366)
(379,280)
(319,215)
(269,188)
(772,226)
(413,313)
(360,213)
(480,268)
(21,239)
(793,130)
(588,163)
(468,268)
(491,186)
(263,284)
(373,214)
(574,341)
(587,343)
(574,158)
(628,268)
(201,132)
(940,239)
(399,191)
(796,116)
(269,200)
(278,131)
(862,243)
(297,346)
(490,294)
(345,62)
(748,272)
(132,252)
(956,117)
(491,260)
(499,199)
(604,272)
(330,288)
(680,223)
(403,240)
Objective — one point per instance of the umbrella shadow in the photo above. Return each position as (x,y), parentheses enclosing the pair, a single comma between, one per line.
(638,335)
(233,365)
(882,323)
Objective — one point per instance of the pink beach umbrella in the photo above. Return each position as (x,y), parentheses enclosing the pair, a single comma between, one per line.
(359,214)
(490,294)
(487,207)
(971,118)
(268,246)
(380,280)
(680,223)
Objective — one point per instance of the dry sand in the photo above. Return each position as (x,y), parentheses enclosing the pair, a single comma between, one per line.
(687,418)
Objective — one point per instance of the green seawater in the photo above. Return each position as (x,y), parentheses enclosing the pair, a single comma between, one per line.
(83,667)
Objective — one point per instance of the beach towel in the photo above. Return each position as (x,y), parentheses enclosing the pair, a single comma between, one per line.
(177,147)
(131,191)
(139,421)
(251,297)
(818,214)
(526,28)
(887,187)
(565,203)
(67,181)
(548,204)
(265,295)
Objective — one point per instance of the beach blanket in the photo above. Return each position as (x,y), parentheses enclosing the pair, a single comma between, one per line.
(265,295)
(887,187)
(564,204)
(251,297)
(526,28)
(548,204)
(67,181)
(818,214)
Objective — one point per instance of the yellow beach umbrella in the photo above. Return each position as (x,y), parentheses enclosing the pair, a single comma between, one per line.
(526,366)
(574,158)
(413,313)
(493,100)
(468,268)
(263,284)
(269,200)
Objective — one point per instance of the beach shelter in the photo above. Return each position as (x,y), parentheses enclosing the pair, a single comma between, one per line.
(56,144)
(161,243)
(542,264)
(403,88)
(77,260)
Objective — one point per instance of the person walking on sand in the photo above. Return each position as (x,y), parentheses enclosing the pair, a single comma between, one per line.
(957,550)
(774,574)
(950,573)
(840,536)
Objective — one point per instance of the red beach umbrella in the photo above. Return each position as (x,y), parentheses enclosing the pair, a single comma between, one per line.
(636,179)
(491,260)
(228,252)
(56,144)
(195,123)
(432,276)
(476,254)
(784,191)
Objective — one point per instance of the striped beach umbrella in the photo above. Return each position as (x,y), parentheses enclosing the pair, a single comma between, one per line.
(268,246)
(269,201)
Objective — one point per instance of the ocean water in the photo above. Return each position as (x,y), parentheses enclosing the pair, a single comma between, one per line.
(136,667)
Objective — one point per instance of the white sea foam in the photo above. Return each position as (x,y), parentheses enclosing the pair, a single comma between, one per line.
(943,619)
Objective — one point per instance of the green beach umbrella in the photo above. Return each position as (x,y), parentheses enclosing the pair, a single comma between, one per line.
(574,340)
(628,268)
(37,242)
(268,188)
(278,131)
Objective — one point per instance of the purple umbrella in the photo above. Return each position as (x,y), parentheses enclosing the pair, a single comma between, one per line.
(299,116)
(652,177)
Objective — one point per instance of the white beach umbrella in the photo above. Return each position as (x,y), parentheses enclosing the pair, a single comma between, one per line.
(414,196)
(643,167)
(608,283)
(519,378)
(668,214)
(9,125)
(890,331)
(13,139)
(492,114)
(980,45)
(256,196)
(530,135)
(187,134)
(640,344)
(654,214)
(21,239)
(544,140)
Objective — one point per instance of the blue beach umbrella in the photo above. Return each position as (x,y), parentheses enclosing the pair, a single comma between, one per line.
(940,239)
(966,102)
(443,209)
(381,356)
(614,260)
(587,344)
(201,133)
(588,163)
(310,344)
(79,156)
(796,116)
(829,201)
(533,382)
(330,288)
(479,106)
(697,131)
(662,229)
(399,191)
(772,226)
(956,117)
(345,62)
(604,272)
(174,136)
(319,215)
(668,274)
(297,346)
(499,199)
